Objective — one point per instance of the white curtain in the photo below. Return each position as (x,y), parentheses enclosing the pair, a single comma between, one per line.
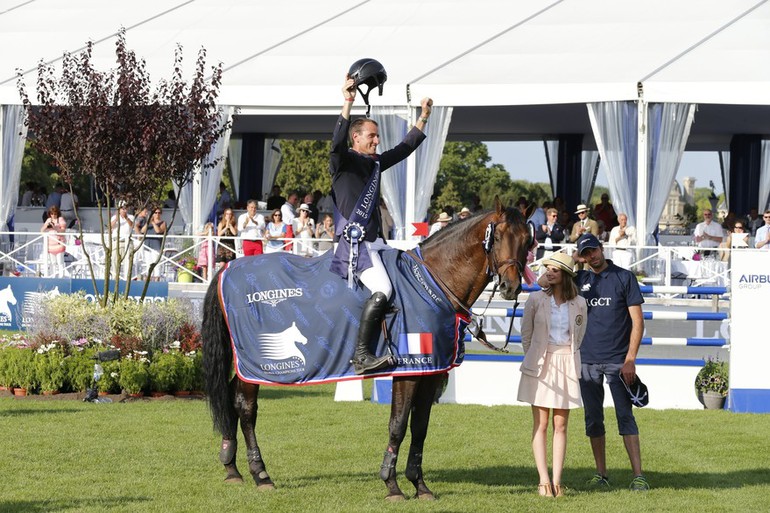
(724,166)
(429,158)
(14,134)
(393,128)
(551,149)
(668,127)
(208,182)
(234,152)
(614,128)
(589,164)
(271,165)
(764,178)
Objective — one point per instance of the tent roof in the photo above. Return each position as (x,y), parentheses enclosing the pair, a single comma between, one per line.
(512,70)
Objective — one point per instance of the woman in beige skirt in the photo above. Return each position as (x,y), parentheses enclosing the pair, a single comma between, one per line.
(551,332)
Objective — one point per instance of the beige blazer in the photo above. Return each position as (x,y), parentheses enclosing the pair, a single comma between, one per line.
(536,325)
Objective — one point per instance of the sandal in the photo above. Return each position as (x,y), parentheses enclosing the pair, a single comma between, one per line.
(558,491)
(545,490)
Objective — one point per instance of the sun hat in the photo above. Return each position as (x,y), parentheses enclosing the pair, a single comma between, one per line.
(586,241)
(637,391)
(581,208)
(465,210)
(563,261)
(304,207)
(443,217)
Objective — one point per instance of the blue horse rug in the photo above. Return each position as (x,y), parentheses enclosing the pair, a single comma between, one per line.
(292,321)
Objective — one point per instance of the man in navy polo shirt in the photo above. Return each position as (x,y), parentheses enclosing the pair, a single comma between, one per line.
(613,335)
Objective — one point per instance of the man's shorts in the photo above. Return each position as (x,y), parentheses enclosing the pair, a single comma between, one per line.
(592,389)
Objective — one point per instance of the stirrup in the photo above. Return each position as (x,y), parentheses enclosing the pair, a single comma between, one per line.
(371,363)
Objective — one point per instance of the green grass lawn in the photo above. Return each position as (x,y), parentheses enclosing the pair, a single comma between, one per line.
(161,455)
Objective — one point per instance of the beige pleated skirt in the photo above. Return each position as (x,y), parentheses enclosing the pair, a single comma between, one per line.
(557,386)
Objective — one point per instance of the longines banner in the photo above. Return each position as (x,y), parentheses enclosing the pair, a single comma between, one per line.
(749,339)
(19,297)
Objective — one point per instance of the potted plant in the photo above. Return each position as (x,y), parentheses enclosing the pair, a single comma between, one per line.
(711,383)
(6,376)
(134,373)
(109,383)
(49,368)
(24,374)
(185,274)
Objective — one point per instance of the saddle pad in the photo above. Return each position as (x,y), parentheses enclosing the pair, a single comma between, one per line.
(292,321)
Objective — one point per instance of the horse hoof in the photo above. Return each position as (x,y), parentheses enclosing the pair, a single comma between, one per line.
(266,486)
(426,497)
(395,498)
(234,480)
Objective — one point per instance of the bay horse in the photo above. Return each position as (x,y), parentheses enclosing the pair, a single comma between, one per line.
(462,258)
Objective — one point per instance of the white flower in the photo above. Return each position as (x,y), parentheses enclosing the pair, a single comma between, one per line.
(175,344)
(114,375)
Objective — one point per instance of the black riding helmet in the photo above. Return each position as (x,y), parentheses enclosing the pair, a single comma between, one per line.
(369,72)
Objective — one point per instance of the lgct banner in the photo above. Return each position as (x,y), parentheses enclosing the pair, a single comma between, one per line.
(20,297)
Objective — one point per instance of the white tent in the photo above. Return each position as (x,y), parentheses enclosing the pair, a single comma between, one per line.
(511,70)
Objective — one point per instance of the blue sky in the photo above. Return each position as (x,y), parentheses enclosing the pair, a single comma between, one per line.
(526,161)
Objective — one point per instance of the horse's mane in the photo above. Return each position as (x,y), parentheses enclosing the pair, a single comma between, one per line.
(460,233)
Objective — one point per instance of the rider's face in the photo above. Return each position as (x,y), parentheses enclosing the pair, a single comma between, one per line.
(367,139)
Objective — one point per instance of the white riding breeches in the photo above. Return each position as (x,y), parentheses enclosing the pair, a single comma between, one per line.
(376,277)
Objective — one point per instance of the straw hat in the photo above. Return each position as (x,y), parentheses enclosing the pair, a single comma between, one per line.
(443,217)
(581,208)
(563,261)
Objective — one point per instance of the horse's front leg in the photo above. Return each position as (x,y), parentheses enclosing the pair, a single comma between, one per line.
(423,402)
(246,406)
(229,448)
(401,404)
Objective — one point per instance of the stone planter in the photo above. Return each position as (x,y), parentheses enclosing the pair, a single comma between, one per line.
(712,400)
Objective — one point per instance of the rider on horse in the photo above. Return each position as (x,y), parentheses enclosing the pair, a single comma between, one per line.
(355,174)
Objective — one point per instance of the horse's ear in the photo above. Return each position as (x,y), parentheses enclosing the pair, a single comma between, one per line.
(499,208)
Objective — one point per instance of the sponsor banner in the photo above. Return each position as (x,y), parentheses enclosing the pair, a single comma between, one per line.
(749,350)
(20,297)
(294,321)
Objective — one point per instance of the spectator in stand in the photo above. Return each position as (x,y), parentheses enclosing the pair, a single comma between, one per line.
(225,200)
(288,208)
(227,230)
(55,225)
(326,205)
(536,215)
(325,232)
(154,230)
(708,234)
(40,197)
(204,249)
(313,211)
(584,224)
(548,234)
(754,222)
(251,229)
(275,200)
(67,204)
(604,211)
(465,213)
(603,234)
(26,199)
(304,229)
(622,237)
(276,230)
(762,239)
(170,200)
(53,200)
(737,238)
(441,222)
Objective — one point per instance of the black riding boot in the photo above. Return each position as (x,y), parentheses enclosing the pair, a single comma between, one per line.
(371,321)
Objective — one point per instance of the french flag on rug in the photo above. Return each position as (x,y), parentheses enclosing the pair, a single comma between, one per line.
(415,343)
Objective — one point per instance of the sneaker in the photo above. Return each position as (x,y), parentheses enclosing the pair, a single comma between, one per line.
(639,484)
(599,481)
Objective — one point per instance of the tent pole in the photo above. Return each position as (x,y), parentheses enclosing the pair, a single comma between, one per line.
(642,169)
(411,184)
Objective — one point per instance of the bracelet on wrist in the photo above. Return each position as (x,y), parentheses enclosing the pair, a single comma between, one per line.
(424,119)
(349,99)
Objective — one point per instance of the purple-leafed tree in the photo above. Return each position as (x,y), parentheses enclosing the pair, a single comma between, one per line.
(131,138)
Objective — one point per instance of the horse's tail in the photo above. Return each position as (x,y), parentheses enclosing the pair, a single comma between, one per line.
(217,362)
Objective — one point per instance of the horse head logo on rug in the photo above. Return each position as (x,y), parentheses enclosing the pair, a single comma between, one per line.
(6,299)
(281,346)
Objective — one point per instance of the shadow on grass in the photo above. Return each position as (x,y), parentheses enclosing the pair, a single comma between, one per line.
(310,391)
(22,412)
(66,504)
(522,479)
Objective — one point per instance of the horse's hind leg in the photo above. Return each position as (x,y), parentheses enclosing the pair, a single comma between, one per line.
(229,447)
(421,406)
(246,406)
(401,404)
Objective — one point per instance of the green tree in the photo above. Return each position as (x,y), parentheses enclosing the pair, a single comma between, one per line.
(448,196)
(304,166)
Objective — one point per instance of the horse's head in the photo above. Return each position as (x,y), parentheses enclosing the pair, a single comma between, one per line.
(7,295)
(508,241)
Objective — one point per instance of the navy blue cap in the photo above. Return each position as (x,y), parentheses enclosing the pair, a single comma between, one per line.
(586,241)
(637,391)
